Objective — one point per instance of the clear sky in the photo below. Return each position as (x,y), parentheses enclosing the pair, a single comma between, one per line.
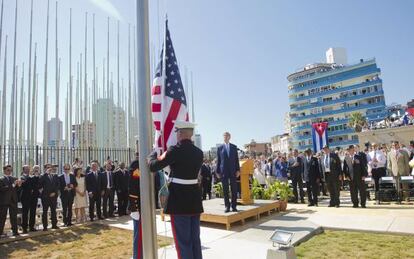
(240,52)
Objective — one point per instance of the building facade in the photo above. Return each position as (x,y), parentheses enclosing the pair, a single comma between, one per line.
(54,132)
(281,143)
(332,92)
(84,135)
(256,148)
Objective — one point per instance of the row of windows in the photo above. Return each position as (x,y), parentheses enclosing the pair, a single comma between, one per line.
(328,88)
(341,106)
(330,140)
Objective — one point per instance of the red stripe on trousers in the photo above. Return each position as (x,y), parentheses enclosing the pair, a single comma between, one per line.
(139,241)
(156,90)
(172,115)
(156,107)
(177,247)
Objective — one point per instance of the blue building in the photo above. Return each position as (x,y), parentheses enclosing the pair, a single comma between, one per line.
(331,92)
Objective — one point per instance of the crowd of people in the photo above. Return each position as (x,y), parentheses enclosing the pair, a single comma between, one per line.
(77,187)
(333,170)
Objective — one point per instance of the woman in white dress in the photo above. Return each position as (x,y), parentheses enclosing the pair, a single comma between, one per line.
(80,197)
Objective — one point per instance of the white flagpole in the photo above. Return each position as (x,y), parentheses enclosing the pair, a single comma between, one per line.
(149,234)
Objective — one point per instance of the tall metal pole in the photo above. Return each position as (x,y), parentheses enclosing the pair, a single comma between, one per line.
(149,234)
(34,100)
(95,83)
(21,114)
(3,103)
(118,82)
(107,63)
(57,63)
(77,102)
(29,127)
(1,25)
(70,80)
(129,87)
(45,111)
(86,80)
(135,75)
(12,113)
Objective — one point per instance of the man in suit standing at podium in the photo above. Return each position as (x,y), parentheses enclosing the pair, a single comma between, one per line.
(228,169)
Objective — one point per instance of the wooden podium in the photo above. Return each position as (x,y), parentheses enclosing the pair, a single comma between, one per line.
(246,169)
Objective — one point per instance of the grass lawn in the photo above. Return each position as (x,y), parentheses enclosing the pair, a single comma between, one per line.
(89,241)
(346,244)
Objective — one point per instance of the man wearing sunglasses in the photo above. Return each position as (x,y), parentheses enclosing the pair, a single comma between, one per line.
(8,199)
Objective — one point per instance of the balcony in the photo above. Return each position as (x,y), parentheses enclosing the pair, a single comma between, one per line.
(330,134)
(337,90)
(366,63)
(342,110)
(332,145)
(339,100)
(331,123)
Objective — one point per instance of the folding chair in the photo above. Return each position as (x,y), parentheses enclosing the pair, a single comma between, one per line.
(387,189)
(407,186)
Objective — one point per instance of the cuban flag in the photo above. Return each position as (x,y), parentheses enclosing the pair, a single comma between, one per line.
(319,135)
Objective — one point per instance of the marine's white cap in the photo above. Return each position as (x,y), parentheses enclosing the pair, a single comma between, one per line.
(184,125)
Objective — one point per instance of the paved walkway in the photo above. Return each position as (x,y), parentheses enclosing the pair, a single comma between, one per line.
(252,239)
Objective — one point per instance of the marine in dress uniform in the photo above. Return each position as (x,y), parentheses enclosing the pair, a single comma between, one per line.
(135,206)
(184,203)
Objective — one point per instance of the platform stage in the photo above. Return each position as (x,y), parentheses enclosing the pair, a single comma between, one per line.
(214,211)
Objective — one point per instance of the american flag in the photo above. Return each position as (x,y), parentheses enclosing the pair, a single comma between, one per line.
(168,98)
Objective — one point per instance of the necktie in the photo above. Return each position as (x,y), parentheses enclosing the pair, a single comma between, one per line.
(326,161)
(228,149)
(110,179)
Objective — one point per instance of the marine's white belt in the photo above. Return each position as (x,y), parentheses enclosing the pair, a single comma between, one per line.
(184,181)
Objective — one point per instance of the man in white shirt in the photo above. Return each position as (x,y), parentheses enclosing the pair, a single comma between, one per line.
(377,161)
(109,187)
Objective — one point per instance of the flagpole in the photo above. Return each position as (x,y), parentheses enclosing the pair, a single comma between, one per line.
(149,234)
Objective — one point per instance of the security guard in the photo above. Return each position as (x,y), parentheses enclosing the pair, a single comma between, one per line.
(135,206)
(184,203)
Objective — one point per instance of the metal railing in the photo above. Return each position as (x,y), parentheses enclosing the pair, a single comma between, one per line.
(17,156)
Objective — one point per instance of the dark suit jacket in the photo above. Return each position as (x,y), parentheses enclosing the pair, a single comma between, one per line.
(94,185)
(121,180)
(227,165)
(62,185)
(358,165)
(313,172)
(49,185)
(296,171)
(334,164)
(104,182)
(8,193)
(206,173)
(26,189)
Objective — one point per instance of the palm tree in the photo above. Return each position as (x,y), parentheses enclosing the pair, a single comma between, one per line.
(357,121)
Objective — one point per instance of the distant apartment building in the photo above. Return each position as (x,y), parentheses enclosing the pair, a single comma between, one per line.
(331,92)
(197,141)
(54,132)
(110,124)
(281,143)
(84,135)
(258,148)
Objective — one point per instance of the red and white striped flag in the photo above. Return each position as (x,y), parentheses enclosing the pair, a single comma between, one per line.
(168,100)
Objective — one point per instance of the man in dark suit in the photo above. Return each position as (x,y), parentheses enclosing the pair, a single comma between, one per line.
(206,180)
(108,188)
(26,191)
(312,177)
(184,201)
(34,199)
(49,187)
(121,182)
(67,184)
(94,187)
(296,171)
(355,171)
(331,167)
(8,199)
(228,169)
